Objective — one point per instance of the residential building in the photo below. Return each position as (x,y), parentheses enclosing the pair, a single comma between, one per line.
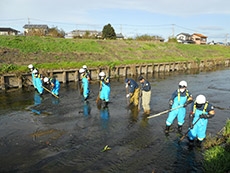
(8,31)
(85,33)
(39,30)
(199,38)
(88,34)
(185,38)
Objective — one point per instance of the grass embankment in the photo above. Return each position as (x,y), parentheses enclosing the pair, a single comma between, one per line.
(16,52)
(217,157)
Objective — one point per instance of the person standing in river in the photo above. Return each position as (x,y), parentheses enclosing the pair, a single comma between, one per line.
(85,83)
(145,94)
(104,93)
(38,81)
(133,93)
(32,68)
(202,110)
(178,102)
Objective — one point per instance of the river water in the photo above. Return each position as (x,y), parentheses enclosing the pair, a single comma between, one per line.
(67,135)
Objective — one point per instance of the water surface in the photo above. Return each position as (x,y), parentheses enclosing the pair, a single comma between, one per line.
(67,135)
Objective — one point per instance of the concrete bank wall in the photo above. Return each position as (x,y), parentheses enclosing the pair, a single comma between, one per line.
(9,81)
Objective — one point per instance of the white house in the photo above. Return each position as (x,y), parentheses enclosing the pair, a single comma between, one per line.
(8,31)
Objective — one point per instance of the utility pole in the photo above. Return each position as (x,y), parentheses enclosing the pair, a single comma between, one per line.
(173,30)
(226,39)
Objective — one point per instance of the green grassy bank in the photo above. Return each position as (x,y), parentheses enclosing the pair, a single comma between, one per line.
(16,52)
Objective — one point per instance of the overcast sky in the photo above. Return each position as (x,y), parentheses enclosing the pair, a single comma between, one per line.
(130,17)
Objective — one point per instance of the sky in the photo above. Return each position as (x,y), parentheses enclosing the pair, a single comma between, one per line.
(165,18)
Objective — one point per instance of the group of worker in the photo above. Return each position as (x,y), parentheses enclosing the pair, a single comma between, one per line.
(201,109)
(104,88)
(40,82)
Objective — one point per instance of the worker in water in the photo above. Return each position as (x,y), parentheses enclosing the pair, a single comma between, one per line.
(104,89)
(133,93)
(145,94)
(31,68)
(178,102)
(85,83)
(38,81)
(202,110)
(54,84)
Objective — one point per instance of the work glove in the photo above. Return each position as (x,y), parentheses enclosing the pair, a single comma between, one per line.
(127,95)
(187,103)
(170,103)
(204,116)
(126,85)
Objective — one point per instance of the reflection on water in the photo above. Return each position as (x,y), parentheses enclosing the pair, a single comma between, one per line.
(37,98)
(55,100)
(60,139)
(86,108)
(104,114)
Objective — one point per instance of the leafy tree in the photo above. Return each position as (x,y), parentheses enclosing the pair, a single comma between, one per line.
(55,32)
(108,32)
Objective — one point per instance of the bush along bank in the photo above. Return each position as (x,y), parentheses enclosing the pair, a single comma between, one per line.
(217,155)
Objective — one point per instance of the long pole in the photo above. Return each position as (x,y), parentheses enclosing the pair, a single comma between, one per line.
(139,100)
(127,99)
(188,131)
(50,92)
(164,112)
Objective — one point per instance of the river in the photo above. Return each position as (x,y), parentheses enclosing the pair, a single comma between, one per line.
(46,134)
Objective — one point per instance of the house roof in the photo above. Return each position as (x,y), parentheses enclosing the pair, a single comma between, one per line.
(85,31)
(8,29)
(29,26)
(200,35)
(119,35)
(186,34)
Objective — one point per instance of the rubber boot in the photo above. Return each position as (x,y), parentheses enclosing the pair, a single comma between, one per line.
(198,143)
(190,142)
(179,129)
(167,129)
(104,104)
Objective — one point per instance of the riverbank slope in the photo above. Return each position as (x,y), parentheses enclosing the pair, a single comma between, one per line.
(16,52)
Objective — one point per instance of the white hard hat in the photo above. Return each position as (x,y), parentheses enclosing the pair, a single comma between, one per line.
(102,74)
(182,84)
(30,66)
(35,71)
(200,99)
(82,70)
(84,66)
(46,79)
